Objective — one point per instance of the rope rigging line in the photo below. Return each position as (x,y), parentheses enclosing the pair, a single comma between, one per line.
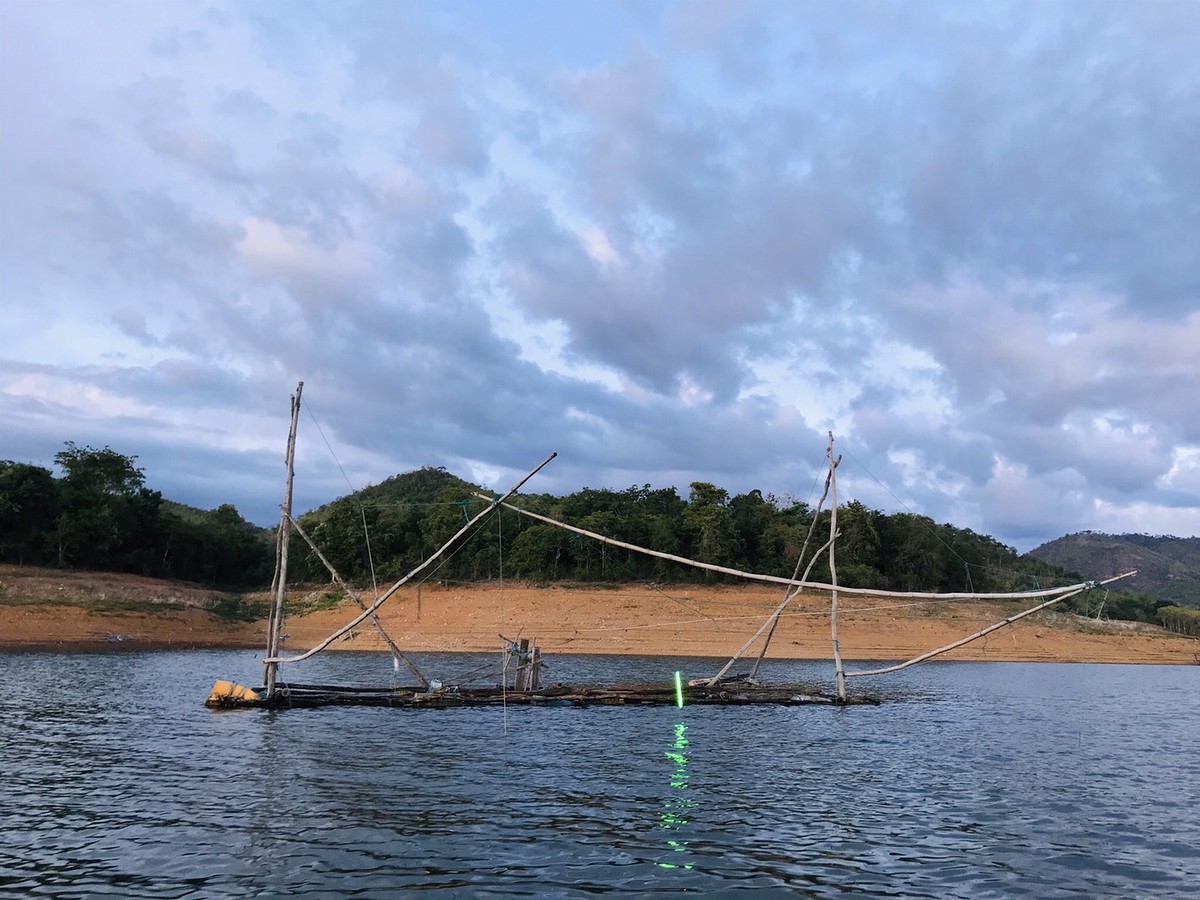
(445,560)
(397,656)
(353,492)
(779,579)
(789,614)
(791,592)
(381,599)
(401,504)
(1078,589)
(554,638)
(680,602)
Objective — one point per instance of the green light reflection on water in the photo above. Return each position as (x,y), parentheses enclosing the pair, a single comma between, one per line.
(677,804)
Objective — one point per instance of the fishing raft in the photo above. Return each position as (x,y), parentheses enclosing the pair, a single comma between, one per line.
(525,688)
(301,696)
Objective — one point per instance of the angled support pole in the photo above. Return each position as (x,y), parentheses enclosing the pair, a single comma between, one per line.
(353,595)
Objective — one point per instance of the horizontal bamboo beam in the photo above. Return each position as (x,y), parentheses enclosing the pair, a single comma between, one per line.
(986,631)
(801,584)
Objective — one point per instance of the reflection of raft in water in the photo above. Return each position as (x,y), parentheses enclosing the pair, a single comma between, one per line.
(227,696)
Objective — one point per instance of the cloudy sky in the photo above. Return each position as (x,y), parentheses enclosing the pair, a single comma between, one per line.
(671,241)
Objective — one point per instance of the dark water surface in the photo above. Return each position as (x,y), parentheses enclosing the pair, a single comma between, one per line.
(973,780)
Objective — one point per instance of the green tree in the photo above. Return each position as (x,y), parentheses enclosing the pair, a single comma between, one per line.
(858,546)
(242,557)
(911,552)
(108,518)
(596,557)
(751,517)
(99,472)
(711,524)
(659,526)
(29,507)
(1180,619)
(215,547)
(540,553)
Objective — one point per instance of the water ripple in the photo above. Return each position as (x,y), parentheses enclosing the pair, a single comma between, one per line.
(974,780)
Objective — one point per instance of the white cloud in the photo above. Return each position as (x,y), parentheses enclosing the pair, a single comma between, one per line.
(1184,474)
(75,397)
(1145,518)
(599,247)
(958,240)
(311,271)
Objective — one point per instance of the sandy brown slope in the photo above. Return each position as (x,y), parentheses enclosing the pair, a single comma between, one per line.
(47,608)
(103,610)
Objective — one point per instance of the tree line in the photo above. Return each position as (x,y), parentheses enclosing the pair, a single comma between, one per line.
(100,515)
(1180,619)
(386,530)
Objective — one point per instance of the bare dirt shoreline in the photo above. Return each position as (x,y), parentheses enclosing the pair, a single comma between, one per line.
(48,609)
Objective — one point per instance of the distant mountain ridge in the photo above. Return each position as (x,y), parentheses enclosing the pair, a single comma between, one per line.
(1168,567)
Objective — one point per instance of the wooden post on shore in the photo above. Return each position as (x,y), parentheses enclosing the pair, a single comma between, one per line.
(275,621)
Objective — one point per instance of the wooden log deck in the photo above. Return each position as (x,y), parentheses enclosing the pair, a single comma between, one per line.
(300,696)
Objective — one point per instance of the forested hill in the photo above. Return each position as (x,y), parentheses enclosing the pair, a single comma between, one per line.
(409,516)
(1168,567)
(99,514)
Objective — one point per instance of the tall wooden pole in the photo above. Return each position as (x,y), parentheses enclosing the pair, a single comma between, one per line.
(833,602)
(791,594)
(275,622)
(793,590)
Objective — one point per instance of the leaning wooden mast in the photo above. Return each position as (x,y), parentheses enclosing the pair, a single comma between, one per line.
(279,585)
(839,670)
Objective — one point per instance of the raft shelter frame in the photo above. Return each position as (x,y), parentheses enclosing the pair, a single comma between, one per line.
(526,687)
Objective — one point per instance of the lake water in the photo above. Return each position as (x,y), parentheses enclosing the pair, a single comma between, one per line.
(972,780)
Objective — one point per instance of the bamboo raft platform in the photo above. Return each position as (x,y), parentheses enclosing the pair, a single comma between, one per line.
(299,696)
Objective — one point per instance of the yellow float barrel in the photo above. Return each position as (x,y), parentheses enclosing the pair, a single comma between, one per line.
(221,690)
